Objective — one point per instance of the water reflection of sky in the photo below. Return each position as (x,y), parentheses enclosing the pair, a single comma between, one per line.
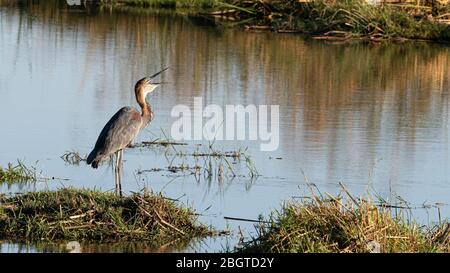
(366,115)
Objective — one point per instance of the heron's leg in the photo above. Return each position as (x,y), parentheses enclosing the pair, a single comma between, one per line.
(115,176)
(120,171)
(116,172)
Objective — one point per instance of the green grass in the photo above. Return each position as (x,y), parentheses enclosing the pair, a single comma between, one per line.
(16,174)
(333,225)
(71,214)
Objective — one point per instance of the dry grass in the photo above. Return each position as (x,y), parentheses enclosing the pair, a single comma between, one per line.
(334,225)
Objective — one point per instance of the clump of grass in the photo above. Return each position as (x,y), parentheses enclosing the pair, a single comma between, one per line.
(18,173)
(334,225)
(71,214)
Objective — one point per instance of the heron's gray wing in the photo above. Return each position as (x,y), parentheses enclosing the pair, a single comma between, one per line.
(120,131)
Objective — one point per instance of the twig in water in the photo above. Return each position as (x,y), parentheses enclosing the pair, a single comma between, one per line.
(245,220)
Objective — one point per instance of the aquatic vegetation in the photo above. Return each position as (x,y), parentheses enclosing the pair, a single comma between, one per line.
(74,214)
(209,166)
(205,161)
(18,173)
(216,161)
(332,224)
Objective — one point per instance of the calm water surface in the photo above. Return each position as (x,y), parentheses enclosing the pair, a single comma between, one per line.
(370,116)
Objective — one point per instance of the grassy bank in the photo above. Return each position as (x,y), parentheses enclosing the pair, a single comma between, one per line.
(172,4)
(325,19)
(70,214)
(344,19)
(334,225)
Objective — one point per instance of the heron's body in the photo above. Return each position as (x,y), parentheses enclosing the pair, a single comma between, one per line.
(118,133)
(122,129)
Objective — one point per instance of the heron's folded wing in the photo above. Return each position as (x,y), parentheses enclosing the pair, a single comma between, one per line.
(120,131)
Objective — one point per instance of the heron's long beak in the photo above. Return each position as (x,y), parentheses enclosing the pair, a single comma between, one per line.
(156,74)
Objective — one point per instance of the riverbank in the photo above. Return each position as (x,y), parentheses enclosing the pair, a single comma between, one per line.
(331,20)
(341,225)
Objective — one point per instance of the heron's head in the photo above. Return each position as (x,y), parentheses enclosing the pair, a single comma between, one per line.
(146,85)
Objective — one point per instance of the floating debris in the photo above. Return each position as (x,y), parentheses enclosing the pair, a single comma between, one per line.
(163,143)
(174,169)
(73,158)
(373,247)
(213,153)
(73,247)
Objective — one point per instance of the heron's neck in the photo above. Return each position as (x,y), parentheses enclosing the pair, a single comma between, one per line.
(146,112)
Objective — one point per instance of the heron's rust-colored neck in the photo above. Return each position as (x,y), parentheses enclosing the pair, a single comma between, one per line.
(145,108)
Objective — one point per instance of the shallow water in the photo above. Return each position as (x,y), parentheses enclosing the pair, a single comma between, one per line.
(370,116)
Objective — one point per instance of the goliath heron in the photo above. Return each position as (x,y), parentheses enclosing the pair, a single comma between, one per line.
(122,128)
